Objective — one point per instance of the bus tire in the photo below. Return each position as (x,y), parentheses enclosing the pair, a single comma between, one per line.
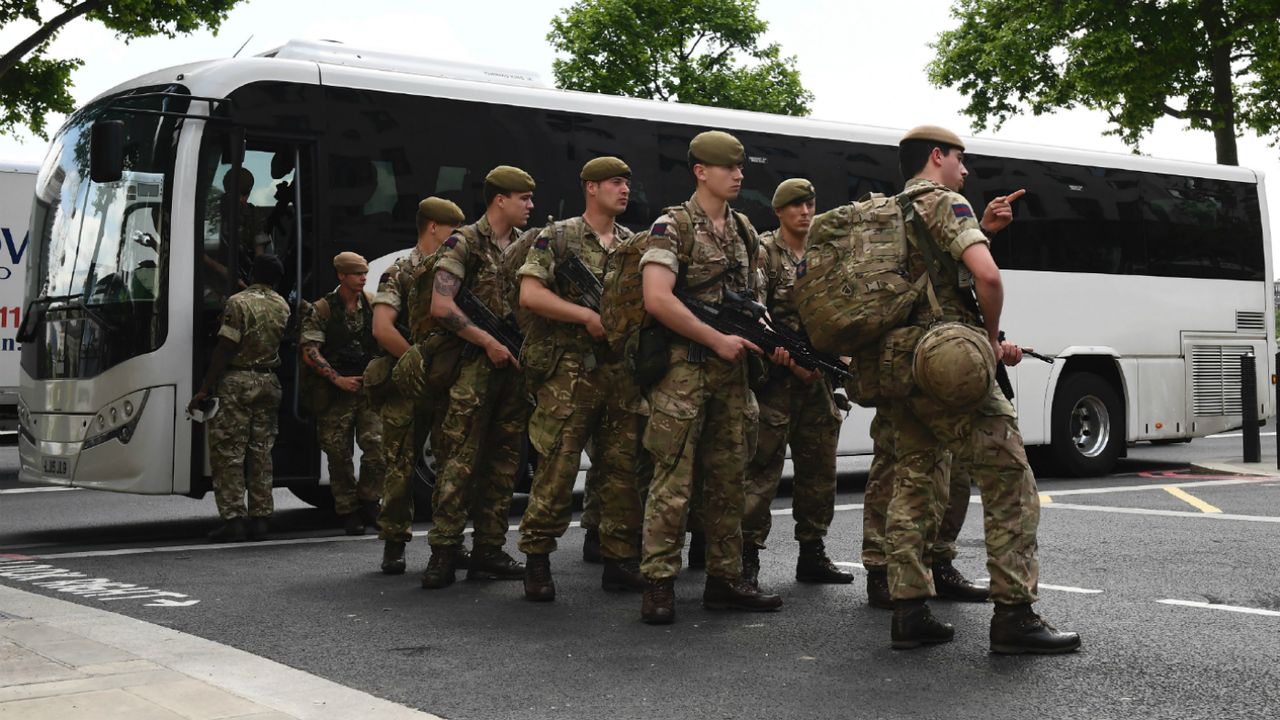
(1087,426)
(317,496)
(423,478)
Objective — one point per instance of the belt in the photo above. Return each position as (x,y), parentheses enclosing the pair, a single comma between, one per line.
(254,368)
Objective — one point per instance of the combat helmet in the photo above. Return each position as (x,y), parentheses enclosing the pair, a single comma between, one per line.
(955,365)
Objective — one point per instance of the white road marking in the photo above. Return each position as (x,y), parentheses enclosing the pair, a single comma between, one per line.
(77,583)
(30,490)
(1215,606)
(1046,586)
(1236,435)
(1155,485)
(838,508)
(850,564)
(1165,513)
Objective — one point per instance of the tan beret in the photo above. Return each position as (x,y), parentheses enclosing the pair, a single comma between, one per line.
(933,132)
(510,179)
(439,210)
(604,168)
(349,262)
(714,147)
(793,190)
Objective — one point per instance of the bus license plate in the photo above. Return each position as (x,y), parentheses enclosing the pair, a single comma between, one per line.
(57,467)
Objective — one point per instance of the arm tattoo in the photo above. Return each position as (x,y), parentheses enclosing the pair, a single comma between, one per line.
(447,284)
(455,322)
(311,352)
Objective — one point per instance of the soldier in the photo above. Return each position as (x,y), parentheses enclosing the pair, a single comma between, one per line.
(407,415)
(702,413)
(582,393)
(488,408)
(338,344)
(797,408)
(955,254)
(242,377)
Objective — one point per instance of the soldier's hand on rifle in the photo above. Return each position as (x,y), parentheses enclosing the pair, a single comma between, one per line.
(732,348)
(1010,354)
(780,356)
(806,376)
(594,326)
(348,383)
(999,212)
(500,356)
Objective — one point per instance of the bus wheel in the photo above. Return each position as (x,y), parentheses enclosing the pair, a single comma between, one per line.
(1087,430)
(424,483)
(316,496)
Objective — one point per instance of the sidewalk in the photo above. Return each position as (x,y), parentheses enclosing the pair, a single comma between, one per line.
(64,661)
(1267,468)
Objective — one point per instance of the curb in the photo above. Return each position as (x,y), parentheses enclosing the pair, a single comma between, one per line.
(1222,467)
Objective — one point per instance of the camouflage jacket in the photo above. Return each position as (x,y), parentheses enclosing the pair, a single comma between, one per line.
(255,319)
(717,259)
(953,227)
(778,267)
(474,256)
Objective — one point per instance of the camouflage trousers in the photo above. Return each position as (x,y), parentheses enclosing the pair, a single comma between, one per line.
(806,418)
(351,414)
(989,442)
(241,435)
(703,420)
(409,417)
(591,494)
(952,509)
(481,438)
(576,406)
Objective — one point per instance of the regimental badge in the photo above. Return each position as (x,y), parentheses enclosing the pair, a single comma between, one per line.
(542,242)
(659,230)
(386,277)
(802,267)
(962,210)
(451,241)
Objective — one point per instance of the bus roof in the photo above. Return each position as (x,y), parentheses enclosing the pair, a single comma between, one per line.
(331,64)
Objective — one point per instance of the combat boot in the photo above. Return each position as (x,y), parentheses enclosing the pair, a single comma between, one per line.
(951,584)
(659,604)
(736,594)
(461,558)
(230,531)
(591,547)
(622,576)
(393,557)
(259,528)
(538,585)
(1017,629)
(353,523)
(492,563)
(440,572)
(697,551)
(813,566)
(878,589)
(914,625)
(751,565)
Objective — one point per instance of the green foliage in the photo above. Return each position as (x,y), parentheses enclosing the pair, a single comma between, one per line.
(33,85)
(705,52)
(1214,64)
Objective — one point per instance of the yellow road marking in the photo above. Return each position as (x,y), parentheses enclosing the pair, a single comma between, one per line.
(1191,500)
(1045,499)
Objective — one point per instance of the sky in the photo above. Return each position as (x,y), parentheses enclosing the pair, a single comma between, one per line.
(842,47)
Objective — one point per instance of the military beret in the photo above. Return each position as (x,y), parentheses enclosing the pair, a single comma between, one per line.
(604,168)
(246,181)
(349,262)
(933,132)
(510,179)
(793,190)
(714,147)
(439,210)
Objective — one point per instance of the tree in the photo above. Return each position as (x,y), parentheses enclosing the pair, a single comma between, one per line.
(1214,64)
(705,52)
(32,85)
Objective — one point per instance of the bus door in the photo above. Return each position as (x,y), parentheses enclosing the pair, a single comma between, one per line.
(263,203)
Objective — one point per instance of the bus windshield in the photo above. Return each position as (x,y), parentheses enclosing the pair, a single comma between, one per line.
(100,260)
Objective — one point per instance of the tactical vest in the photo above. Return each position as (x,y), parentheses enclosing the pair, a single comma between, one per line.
(347,353)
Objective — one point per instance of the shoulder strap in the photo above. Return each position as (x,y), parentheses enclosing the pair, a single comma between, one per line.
(924,240)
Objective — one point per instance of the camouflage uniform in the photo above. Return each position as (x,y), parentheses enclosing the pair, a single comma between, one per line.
(951,511)
(243,430)
(346,342)
(402,434)
(582,395)
(791,413)
(987,439)
(488,410)
(703,416)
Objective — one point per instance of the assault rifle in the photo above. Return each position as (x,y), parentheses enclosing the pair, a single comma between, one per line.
(1002,374)
(580,276)
(746,318)
(504,330)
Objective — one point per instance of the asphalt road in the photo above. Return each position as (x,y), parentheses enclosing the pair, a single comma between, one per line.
(1112,549)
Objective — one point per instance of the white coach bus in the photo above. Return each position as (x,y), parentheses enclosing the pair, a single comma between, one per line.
(1145,278)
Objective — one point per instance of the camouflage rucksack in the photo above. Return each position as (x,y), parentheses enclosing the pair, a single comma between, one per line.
(854,285)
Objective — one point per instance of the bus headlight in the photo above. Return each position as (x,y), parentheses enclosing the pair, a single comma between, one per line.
(116,421)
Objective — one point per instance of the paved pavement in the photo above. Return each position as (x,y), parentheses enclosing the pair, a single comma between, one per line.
(1167,572)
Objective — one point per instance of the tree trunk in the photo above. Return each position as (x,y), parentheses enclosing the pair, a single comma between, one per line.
(1224,110)
(44,33)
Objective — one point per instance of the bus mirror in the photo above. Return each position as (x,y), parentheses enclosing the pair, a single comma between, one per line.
(233,149)
(106,151)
